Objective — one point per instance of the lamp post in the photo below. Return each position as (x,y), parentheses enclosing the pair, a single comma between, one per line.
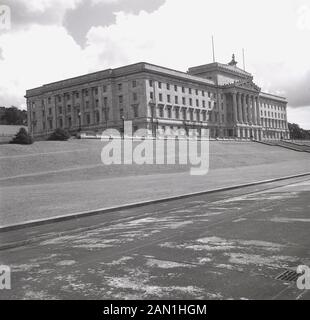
(123,130)
(79,116)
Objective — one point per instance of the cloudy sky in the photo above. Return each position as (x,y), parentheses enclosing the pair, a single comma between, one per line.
(54,39)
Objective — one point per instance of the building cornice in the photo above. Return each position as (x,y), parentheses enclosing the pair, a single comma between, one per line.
(136,68)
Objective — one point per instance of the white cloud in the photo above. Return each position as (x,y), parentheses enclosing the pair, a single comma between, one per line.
(35,56)
(177,35)
(300,116)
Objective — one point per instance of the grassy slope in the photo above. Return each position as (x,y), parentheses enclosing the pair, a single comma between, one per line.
(75,160)
(61,190)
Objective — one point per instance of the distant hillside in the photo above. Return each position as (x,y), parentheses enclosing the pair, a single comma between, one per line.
(298,133)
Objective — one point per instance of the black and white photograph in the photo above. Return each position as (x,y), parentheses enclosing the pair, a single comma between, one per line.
(154,150)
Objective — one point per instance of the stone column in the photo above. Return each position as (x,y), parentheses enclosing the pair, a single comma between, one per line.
(245,114)
(249,109)
(254,113)
(257,111)
(240,108)
(234,95)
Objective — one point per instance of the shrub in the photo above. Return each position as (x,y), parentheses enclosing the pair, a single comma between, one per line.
(22,137)
(59,135)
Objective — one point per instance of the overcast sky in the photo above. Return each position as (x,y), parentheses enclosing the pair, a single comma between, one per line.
(50,40)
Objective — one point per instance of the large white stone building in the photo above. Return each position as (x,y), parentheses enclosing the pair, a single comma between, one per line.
(220,97)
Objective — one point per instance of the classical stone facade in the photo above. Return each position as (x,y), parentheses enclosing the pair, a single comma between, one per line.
(220,97)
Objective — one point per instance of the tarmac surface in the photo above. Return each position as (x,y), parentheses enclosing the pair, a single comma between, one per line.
(225,245)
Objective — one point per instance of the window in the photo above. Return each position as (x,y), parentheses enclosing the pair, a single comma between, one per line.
(151,83)
(197,103)
(183,101)
(120,87)
(87,104)
(198,115)
(168,98)
(69,108)
(135,112)
(151,95)
(160,97)
(50,123)
(197,92)
(152,109)
(86,93)
(121,113)
(176,100)
(60,110)
(203,103)
(134,96)
(106,113)
(49,100)
(59,98)
(88,118)
(169,112)
(159,85)
(97,103)
(168,86)
(203,93)
(190,101)
(177,113)
(204,116)
(120,99)
(96,91)
(134,83)
(105,101)
(183,89)
(209,103)
(97,117)
(60,123)
(191,114)
(190,91)
(77,95)
(69,121)
(209,94)
(43,113)
(184,114)
(175,88)
(50,111)
(104,88)
(161,112)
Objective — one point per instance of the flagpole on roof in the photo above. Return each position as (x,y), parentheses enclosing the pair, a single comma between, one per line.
(213,49)
(243,59)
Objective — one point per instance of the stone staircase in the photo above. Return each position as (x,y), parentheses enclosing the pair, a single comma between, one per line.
(287,144)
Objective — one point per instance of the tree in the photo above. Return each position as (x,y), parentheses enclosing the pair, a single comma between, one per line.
(14,116)
(59,135)
(22,137)
(298,133)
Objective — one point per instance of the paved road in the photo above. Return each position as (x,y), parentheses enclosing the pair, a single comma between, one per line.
(226,245)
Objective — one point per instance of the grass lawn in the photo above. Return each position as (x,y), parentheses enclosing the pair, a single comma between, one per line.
(54,178)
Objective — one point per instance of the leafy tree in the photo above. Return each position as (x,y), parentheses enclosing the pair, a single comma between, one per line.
(22,137)
(14,116)
(59,135)
(298,133)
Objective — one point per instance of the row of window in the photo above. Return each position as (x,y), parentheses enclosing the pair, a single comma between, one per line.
(270,106)
(272,123)
(176,100)
(183,89)
(276,115)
